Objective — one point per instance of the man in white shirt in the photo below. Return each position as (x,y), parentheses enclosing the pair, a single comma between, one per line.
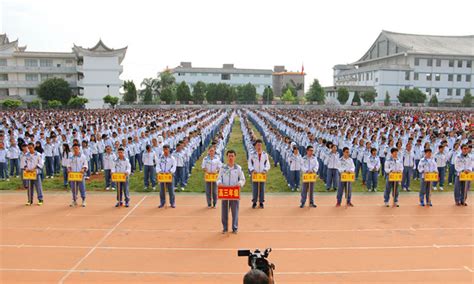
(258,163)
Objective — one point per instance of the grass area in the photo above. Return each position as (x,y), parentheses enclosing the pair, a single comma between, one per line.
(275,180)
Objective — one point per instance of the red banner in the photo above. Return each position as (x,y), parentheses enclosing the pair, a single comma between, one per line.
(228,192)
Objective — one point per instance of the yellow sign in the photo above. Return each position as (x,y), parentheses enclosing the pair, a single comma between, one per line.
(309,177)
(395,176)
(347,177)
(259,177)
(165,177)
(466,176)
(29,175)
(210,177)
(433,176)
(75,176)
(119,177)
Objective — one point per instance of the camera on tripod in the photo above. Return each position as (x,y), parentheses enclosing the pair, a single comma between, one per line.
(258,260)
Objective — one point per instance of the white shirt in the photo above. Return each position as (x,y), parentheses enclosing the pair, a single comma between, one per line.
(257,164)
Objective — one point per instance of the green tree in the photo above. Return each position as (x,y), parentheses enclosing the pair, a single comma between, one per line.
(211,93)
(152,87)
(291,88)
(146,95)
(168,95)
(342,95)
(113,101)
(386,102)
(55,89)
(11,104)
(166,79)
(267,94)
(433,101)
(222,92)
(77,102)
(411,96)
(369,96)
(199,92)
(130,95)
(183,93)
(356,99)
(247,93)
(54,104)
(315,93)
(467,99)
(36,104)
(288,96)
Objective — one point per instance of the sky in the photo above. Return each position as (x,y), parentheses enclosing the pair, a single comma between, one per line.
(209,33)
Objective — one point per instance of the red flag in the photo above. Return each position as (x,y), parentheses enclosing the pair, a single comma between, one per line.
(302,69)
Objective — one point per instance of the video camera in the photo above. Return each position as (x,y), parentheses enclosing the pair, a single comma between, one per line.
(258,260)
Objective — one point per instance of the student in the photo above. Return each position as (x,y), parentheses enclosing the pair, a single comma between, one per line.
(373,167)
(78,164)
(166,165)
(3,163)
(392,165)
(33,161)
(109,162)
(23,153)
(426,165)
(408,159)
(65,156)
(462,163)
(122,165)
(211,164)
(149,161)
(13,155)
(332,161)
(230,174)
(345,165)
(259,163)
(49,158)
(441,159)
(88,155)
(309,165)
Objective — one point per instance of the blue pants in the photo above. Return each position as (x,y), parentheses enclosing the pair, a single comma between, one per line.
(78,185)
(123,191)
(32,184)
(442,174)
(169,187)
(344,186)
(95,163)
(149,175)
(132,162)
(372,179)
(101,161)
(57,164)
(211,193)
(332,179)
(452,173)
(389,188)
(307,186)
(382,164)
(108,179)
(416,173)
(89,168)
(460,190)
(234,208)
(425,191)
(179,177)
(406,176)
(65,176)
(294,179)
(3,170)
(14,167)
(49,165)
(357,168)
(364,172)
(138,158)
(255,192)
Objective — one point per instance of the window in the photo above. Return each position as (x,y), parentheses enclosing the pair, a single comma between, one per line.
(225,76)
(451,62)
(407,87)
(181,74)
(416,77)
(450,92)
(31,77)
(459,63)
(437,77)
(450,77)
(31,62)
(459,77)
(438,62)
(4,92)
(407,75)
(430,62)
(468,78)
(46,62)
(428,91)
(437,91)
(417,61)
(3,77)
(46,76)
(469,63)
(428,76)
(3,62)
(458,92)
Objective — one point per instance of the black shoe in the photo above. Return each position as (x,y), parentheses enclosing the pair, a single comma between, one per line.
(261,205)
(234,232)
(302,206)
(224,231)
(254,205)
(118,204)
(313,205)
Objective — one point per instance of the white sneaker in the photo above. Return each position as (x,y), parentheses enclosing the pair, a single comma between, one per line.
(113,188)
(7,179)
(386,204)
(435,188)
(83,203)
(107,188)
(182,189)
(153,188)
(441,188)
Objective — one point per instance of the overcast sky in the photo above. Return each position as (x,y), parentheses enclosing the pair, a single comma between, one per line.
(248,33)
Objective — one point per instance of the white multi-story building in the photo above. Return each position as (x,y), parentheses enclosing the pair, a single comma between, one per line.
(228,74)
(91,72)
(437,65)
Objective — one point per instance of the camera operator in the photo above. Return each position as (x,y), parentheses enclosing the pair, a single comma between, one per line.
(255,276)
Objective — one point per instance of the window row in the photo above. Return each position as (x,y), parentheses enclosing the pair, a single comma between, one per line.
(438,77)
(460,63)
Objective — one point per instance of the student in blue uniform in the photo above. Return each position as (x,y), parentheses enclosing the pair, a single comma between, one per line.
(166,164)
(392,165)
(122,165)
(258,163)
(426,165)
(310,165)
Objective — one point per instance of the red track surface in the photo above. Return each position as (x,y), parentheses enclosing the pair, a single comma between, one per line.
(367,243)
